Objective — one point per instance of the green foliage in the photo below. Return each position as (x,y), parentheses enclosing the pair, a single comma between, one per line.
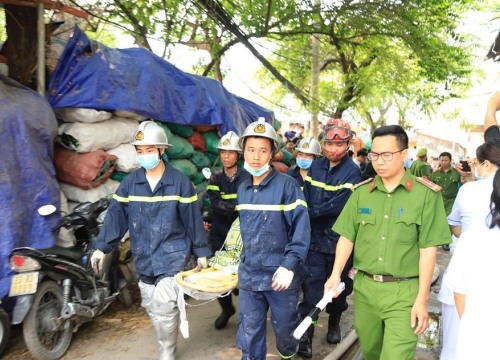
(3,30)
(374,55)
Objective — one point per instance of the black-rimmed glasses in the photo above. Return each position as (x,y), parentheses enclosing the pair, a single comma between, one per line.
(386,156)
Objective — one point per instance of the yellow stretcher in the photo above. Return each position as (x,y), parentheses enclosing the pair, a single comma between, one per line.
(206,284)
(221,277)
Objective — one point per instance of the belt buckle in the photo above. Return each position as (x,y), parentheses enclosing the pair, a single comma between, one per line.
(379,278)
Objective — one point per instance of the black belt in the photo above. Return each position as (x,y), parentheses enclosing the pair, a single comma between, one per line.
(387,278)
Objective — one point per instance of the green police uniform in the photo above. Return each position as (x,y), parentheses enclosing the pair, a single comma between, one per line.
(387,230)
(450,182)
(420,168)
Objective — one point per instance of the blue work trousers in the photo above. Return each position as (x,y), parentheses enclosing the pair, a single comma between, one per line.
(319,268)
(251,337)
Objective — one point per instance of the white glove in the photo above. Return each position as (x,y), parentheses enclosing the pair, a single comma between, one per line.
(282,279)
(202,262)
(96,260)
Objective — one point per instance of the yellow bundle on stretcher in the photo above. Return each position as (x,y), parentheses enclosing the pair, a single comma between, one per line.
(221,277)
(208,280)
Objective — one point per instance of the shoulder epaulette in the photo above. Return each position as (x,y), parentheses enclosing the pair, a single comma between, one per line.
(361,183)
(434,187)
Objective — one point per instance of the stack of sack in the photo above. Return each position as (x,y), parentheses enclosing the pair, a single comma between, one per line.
(94,153)
(91,145)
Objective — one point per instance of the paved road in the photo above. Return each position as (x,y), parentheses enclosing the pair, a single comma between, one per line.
(120,334)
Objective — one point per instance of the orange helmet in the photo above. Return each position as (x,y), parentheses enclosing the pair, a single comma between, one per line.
(337,130)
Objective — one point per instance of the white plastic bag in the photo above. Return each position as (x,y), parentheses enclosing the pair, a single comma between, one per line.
(77,194)
(83,115)
(66,237)
(127,157)
(102,135)
(129,114)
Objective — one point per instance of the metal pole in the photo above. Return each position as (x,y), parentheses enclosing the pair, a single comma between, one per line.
(40,68)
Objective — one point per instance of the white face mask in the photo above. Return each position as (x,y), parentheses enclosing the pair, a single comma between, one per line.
(257,172)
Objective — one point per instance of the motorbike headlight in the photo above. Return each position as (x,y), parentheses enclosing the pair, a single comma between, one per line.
(20,263)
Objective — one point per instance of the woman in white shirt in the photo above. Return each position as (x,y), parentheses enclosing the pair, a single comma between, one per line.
(470,210)
(476,292)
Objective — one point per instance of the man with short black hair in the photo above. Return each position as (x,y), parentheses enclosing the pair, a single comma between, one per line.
(449,179)
(361,158)
(393,224)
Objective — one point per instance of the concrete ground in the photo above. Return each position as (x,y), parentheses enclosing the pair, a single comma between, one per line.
(127,334)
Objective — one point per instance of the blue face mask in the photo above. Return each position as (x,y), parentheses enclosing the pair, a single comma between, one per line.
(476,171)
(253,172)
(148,161)
(476,174)
(304,163)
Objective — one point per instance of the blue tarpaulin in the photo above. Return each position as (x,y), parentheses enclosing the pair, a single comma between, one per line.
(27,175)
(91,75)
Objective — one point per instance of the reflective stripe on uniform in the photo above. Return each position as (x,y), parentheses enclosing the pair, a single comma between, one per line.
(222,195)
(263,207)
(156,198)
(328,187)
(229,196)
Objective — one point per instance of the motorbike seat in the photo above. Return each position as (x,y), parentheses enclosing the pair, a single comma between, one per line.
(74,253)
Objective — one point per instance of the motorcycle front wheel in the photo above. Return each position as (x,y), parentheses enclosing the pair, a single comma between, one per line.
(46,335)
(4,330)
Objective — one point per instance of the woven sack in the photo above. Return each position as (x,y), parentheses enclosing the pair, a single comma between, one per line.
(86,170)
(197,141)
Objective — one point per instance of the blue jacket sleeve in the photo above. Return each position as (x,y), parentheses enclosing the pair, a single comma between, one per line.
(220,207)
(298,227)
(116,220)
(190,216)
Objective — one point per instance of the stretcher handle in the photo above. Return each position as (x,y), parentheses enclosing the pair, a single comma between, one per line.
(304,325)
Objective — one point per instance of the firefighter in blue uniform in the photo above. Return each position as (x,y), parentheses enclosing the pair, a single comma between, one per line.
(275,231)
(308,150)
(222,193)
(327,188)
(158,205)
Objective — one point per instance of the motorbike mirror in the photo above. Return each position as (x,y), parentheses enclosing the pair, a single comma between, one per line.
(207,173)
(45,210)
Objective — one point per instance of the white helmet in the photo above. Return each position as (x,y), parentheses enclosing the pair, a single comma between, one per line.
(150,133)
(260,128)
(309,145)
(230,141)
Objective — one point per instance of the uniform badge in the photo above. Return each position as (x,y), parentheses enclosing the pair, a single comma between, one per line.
(429,184)
(362,183)
(139,135)
(226,142)
(260,129)
(305,146)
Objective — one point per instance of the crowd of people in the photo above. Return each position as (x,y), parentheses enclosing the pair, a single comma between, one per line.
(343,213)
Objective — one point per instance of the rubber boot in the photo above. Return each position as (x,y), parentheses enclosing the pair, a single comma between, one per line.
(167,338)
(228,310)
(305,343)
(333,336)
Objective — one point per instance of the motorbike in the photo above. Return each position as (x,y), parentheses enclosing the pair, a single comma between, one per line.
(4,329)
(57,289)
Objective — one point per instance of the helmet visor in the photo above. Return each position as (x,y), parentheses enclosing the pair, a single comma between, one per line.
(335,133)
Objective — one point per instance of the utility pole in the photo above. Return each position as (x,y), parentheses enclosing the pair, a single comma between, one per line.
(314,93)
